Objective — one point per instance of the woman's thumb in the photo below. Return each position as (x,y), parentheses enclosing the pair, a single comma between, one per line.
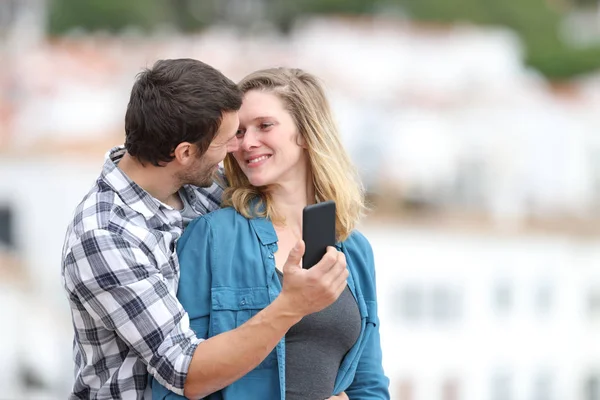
(293,260)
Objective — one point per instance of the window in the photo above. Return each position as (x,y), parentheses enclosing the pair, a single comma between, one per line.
(501,386)
(592,388)
(544,297)
(593,302)
(469,185)
(543,387)
(406,390)
(502,297)
(411,303)
(450,389)
(440,303)
(7,238)
(446,303)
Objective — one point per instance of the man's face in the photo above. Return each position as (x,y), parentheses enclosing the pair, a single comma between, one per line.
(201,170)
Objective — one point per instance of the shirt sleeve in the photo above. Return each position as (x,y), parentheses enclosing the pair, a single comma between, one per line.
(370,381)
(194,251)
(123,290)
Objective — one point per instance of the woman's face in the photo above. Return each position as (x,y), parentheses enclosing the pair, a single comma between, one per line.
(271,150)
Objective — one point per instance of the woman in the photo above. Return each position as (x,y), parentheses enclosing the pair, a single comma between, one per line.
(290,155)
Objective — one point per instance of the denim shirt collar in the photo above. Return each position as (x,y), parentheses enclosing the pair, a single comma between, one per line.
(263,227)
(264,230)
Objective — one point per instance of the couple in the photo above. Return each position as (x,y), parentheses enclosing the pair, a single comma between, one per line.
(222,310)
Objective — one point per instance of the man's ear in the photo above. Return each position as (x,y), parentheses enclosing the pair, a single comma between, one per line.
(184,153)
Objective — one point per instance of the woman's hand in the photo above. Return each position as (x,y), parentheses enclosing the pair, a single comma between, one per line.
(341,396)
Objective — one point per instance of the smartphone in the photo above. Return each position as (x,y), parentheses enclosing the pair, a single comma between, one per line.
(318,231)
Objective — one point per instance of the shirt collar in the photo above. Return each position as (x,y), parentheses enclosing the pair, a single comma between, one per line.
(264,230)
(129,191)
(263,227)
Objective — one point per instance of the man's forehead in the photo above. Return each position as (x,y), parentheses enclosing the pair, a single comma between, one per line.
(228,127)
(230,118)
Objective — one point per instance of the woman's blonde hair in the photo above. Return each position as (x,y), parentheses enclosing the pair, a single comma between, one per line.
(334,176)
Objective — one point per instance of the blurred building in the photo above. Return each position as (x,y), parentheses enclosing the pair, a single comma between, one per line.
(442,118)
(474,316)
(37,198)
(445,117)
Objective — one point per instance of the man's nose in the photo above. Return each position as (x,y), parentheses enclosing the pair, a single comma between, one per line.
(233,145)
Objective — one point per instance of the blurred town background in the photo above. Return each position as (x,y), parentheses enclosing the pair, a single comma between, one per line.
(474,123)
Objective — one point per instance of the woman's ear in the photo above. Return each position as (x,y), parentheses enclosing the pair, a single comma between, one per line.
(300,141)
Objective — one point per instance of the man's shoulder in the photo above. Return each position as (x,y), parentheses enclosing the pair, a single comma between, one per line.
(101,209)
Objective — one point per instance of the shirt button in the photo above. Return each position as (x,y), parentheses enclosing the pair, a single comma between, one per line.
(270,255)
(243,302)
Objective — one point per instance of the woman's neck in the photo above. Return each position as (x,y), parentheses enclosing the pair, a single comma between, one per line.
(289,200)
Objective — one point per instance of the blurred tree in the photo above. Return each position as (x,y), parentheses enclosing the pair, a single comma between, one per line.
(116,15)
(536,21)
(586,3)
(109,15)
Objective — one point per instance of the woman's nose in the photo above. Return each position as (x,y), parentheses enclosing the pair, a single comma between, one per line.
(249,140)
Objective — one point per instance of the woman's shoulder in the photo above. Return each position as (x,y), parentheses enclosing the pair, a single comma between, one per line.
(360,259)
(357,241)
(224,221)
(222,214)
(220,217)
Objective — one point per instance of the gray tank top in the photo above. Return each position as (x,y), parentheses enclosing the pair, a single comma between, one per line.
(316,346)
(187,212)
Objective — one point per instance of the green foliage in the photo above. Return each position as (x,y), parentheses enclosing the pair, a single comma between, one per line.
(336,6)
(563,63)
(101,14)
(115,15)
(535,21)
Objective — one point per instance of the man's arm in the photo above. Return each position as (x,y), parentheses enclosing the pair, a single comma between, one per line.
(123,291)
(224,358)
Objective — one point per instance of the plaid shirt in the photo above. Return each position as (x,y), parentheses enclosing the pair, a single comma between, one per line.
(121,274)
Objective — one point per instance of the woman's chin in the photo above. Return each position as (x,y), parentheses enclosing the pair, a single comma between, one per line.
(258,181)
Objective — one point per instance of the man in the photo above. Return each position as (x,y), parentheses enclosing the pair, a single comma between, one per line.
(120,269)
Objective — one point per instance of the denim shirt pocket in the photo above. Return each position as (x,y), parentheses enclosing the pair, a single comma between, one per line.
(232,307)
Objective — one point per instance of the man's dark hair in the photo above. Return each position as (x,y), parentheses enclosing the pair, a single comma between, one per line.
(176,101)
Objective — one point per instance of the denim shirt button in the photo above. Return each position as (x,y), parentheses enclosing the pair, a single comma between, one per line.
(271,255)
(243,302)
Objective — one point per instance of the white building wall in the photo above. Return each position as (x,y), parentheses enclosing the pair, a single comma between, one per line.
(523,340)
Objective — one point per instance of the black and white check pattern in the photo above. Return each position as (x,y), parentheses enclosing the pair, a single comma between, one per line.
(121,273)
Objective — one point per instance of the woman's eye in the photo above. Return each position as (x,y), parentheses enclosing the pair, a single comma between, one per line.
(265,126)
(239,133)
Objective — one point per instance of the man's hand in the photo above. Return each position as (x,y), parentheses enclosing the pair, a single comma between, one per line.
(309,291)
(341,396)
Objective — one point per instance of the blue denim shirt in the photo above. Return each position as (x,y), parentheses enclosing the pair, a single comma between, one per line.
(228,275)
